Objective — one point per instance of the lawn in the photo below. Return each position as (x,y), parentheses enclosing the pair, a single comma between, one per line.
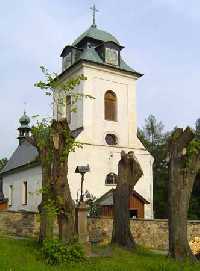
(23,255)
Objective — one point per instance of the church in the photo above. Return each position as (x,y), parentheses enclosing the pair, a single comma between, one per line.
(105,126)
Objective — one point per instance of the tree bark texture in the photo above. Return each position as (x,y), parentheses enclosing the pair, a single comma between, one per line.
(46,218)
(129,172)
(64,203)
(181,179)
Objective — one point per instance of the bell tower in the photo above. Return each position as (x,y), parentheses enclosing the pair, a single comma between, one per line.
(107,124)
(24,129)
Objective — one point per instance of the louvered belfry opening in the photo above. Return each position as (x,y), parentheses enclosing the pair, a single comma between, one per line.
(110,105)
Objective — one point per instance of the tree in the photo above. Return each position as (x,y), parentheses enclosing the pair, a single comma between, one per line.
(184,166)
(3,162)
(197,128)
(41,139)
(194,210)
(129,172)
(54,141)
(63,144)
(155,141)
(152,132)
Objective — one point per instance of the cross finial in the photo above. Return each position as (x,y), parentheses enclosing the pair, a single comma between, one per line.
(94,10)
(25,104)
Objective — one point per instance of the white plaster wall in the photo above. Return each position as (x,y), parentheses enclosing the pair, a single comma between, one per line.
(33,176)
(103,160)
(99,80)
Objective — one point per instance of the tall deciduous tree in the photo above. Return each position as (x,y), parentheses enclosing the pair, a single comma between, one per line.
(63,143)
(154,139)
(41,139)
(194,210)
(129,172)
(197,128)
(184,165)
(54,141)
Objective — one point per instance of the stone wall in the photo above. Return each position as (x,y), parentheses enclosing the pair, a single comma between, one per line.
(24,224)
(148,233)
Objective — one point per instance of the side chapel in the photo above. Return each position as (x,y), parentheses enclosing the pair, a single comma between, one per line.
(105,125)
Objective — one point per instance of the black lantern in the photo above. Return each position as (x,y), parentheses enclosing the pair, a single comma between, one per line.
(82,170)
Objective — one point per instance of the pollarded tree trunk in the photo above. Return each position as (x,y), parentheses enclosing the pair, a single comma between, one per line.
(121,226)
(129,172)
(184,165)
(62,141)
(46,216)
(44,150)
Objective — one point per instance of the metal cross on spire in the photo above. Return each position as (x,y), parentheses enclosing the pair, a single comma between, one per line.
(25,104)
(94,10)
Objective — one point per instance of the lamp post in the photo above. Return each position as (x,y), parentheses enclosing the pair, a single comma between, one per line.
(82,170)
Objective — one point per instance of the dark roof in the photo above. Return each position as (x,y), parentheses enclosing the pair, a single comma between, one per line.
(107,198)
(27,155)
(23,155)
(90,54)
(97,34)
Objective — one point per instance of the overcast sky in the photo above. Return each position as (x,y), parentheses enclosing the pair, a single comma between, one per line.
(161,39)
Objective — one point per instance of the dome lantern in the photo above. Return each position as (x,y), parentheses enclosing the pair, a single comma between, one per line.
(24,129)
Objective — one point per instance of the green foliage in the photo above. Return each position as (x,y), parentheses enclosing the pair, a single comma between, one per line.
(154,139)
(94,210)
(59,89)
(3,162)
(152,132)
(41,133)
(197,128)
(194,210)
(51,208)
(192,149)
(57,252)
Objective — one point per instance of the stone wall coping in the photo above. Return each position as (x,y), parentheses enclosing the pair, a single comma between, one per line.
(143,219)
(18,212)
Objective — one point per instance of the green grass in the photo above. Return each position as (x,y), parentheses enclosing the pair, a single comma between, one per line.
(23,255)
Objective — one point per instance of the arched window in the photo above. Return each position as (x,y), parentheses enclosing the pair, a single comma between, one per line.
(110,106)
(111,179)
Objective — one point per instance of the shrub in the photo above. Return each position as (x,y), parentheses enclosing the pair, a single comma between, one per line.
(57,252)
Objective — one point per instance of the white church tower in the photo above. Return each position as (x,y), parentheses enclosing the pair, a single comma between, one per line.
(107,124)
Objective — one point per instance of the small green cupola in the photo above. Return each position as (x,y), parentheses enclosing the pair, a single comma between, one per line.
(24,129)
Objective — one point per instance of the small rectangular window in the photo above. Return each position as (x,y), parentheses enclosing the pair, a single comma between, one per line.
(68,108)
(24,193)
(10,196)
(111,56)
(67,61)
